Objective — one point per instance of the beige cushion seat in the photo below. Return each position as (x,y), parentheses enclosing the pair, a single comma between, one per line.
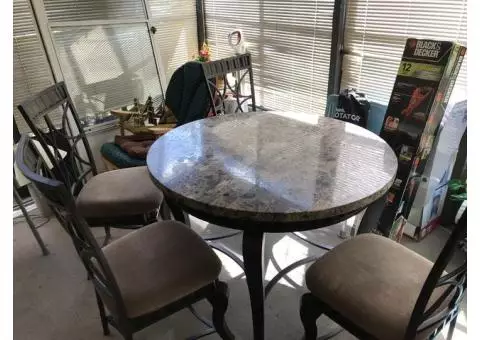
(159,264)
(372,281)
(122,192)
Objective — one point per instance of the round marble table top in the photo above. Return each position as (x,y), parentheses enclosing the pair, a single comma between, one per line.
(265,167)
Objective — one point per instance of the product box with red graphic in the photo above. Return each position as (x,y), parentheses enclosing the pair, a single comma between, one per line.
(424,82)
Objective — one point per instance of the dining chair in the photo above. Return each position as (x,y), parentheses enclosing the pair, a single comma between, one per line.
(124,198)
(376,288)
(143,277)
(223,93)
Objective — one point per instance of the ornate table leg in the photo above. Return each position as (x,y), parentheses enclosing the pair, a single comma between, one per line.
(253,254)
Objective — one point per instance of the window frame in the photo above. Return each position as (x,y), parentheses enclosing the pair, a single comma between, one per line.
(44,28)
(337,50)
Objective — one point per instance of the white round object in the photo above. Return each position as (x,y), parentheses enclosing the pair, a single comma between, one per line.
(237,42)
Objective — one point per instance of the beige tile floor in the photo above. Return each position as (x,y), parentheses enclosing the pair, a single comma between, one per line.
(53,299)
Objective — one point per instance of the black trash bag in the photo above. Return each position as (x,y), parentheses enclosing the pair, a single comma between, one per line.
(352,107)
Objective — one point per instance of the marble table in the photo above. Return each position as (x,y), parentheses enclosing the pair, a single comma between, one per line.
(266,172)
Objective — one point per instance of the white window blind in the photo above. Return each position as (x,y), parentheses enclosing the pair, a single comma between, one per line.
(107,55)
(176,35)
(106,66)
(78,10)
(31,70)
(375,36)
(290,45)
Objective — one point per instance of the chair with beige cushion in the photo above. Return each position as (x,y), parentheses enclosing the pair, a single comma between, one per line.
(120,198)
(142,277)
(376,288)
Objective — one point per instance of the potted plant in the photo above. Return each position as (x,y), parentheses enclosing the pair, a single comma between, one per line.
(204,54)
(457,193)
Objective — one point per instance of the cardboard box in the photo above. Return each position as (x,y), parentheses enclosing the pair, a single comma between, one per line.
(431,195)
(424,82)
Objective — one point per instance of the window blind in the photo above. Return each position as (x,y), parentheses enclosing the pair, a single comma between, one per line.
(290,45)
(79,10)
(31,70)
(106,66)
(375,36)
(107,55)
(176,35)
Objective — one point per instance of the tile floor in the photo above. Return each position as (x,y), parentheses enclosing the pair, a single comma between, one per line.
(53,299)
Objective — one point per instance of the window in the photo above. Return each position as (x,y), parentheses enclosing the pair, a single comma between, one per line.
(290,45)
(106,66)
(106,51)
(105,54)
(176,35)
(375,37)
(31,70)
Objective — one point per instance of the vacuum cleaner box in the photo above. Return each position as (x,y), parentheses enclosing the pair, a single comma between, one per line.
(430,197)
(424,82)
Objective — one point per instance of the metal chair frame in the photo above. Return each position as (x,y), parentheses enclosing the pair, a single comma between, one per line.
(422,318)
(219,69)
(62,202)
(69,136)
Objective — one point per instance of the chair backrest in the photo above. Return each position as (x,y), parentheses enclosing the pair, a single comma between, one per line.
(219,87)
(434,314)
(68,143)
(61,201)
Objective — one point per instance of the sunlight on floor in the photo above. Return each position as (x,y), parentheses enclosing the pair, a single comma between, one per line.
(286,251)
(202,225)
(460,332)
(461,327)
(233,269)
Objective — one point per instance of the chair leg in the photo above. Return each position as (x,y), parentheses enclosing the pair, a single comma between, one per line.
(451,328)
(165,213)
(309,313)
(108,235)
(103,316)
(219,301)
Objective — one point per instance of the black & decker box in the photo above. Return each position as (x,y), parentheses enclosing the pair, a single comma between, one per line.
(424,82)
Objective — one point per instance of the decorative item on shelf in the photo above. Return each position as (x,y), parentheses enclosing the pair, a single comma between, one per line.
(145,112)
(203,54)
(150,112)
(164,114)
(137,113)
(146,120)
(135,107)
